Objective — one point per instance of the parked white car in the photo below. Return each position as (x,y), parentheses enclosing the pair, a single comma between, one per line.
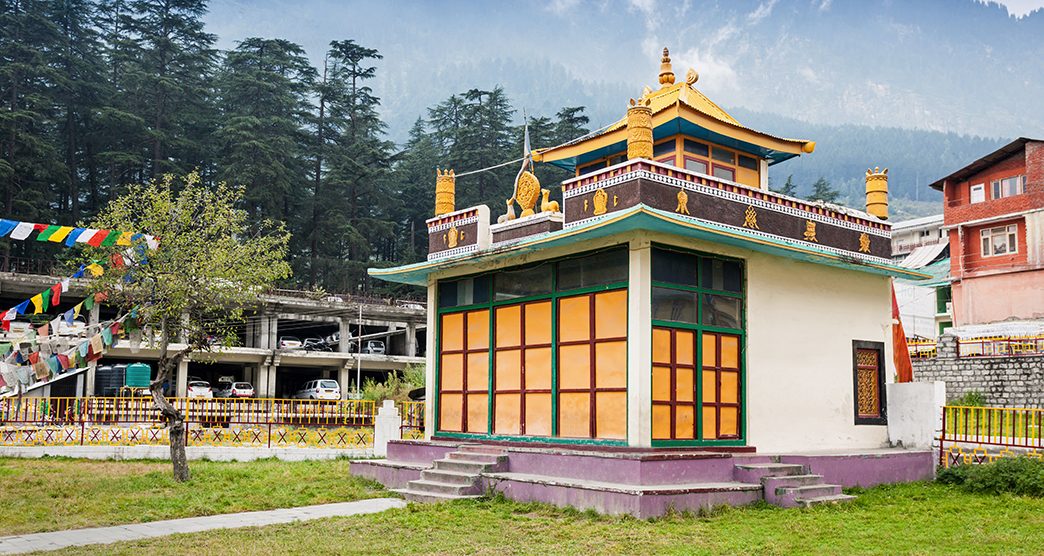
(323,389)
(289,342)
(200,389)
(237,390)
(374,347)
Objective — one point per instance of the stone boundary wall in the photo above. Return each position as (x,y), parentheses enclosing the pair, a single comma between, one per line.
(1003,381)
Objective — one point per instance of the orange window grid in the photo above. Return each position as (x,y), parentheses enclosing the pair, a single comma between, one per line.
(721,415)
(592,365)
(674,384)
(522,383)
(464,372)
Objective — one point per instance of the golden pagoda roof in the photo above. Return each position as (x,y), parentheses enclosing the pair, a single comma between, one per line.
(679,108)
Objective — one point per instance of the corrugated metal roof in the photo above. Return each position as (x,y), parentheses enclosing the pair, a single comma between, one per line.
(924,255)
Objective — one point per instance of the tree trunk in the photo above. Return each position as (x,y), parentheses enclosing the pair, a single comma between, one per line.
(175,419)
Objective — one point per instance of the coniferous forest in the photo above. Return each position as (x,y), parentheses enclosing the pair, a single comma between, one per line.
(98,94)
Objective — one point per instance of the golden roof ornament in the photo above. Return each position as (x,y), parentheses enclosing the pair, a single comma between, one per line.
(445,191)
(692,76)
(527,191)
(666,72)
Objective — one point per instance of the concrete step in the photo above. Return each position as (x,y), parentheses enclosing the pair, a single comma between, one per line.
(773,483)
(478,457)
(435,487)
(754,472)
(430,497)
(463,466)
(451,477)
(809,491)
(482,449)
(819,500)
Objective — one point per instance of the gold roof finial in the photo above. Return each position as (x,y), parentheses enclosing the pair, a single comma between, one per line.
(666,72)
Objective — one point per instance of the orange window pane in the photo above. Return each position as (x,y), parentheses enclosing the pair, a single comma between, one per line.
(661,383)
(478,330)
(574,366)
(574,318)
(661,417)
(611,314)
(661,345)
(453,332)
(574,415)
(538,368)
(685,422)
(710,353)
(509,326)
(509,370)
(450,411)
(611,408)
(684,388)
(710,381)
(683,347)
(538,414)
(729,421)
(710,422)
(730,352)
(729,387)
(538,323)
(508,409)
(611,365)
(478,371)
(478,413)
(452,371)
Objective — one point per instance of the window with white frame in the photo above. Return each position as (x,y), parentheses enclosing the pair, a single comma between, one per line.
(1002,240)
(978,193)
(1007,187)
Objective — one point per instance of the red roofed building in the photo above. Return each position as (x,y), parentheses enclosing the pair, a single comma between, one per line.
(994,215)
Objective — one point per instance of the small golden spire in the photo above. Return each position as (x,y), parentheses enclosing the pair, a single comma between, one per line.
(666,73)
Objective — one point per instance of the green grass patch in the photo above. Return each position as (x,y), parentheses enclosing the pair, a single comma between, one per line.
(920,518)
(1020,475)
(52,494)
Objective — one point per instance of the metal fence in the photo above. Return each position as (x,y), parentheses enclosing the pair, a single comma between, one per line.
(269,423)
(412,420)
(983,434)
(1000,346)
(921,348)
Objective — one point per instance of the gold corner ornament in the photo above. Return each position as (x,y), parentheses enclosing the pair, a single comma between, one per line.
(683,202)
(601,199)
(639,129)
(445,191)
(666,72)
(453,237)
(864,242)
(750,218)
(810,231)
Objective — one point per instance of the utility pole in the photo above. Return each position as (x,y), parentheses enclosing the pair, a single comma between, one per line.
(358,351)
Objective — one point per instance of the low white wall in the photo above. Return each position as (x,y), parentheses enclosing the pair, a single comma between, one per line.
(915,413)
(212,453)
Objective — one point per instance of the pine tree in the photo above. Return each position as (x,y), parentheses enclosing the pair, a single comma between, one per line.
(822,191)
(571,124)
(414,176)
(263,90)
(789,187)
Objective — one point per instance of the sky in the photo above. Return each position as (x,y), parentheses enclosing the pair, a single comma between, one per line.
(814,60)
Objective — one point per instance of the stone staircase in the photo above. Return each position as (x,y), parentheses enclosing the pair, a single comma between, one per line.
(790,485)
(457,476)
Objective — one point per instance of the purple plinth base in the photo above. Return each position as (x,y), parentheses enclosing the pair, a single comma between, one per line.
(646,483)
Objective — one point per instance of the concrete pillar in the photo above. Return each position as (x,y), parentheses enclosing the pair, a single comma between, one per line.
(411,339)
(639,348)
(273,332)
(183,333)
(261,386)
(387,426)
(429,370)
(92,367)
(182,378)
(345,331)
(344,377)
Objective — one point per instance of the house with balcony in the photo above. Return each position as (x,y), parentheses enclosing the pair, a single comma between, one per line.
(994,216)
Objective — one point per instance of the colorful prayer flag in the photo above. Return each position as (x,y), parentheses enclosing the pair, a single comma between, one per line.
(22,230)
(22,307)
(95,269)
(47,233)
(56,294)
(125,238)
(6,226)
(86,235)
(98,237)
(37,304)
(73,236)
(61,234)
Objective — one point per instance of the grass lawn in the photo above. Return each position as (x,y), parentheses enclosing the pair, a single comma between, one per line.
(59,493)
(923,518)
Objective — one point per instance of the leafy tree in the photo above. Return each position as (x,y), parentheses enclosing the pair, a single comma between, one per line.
(822,191)
(212,262)
(789,187)
(414,174)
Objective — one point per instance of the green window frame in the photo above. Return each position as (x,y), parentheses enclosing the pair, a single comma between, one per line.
(699,328)
(554,295)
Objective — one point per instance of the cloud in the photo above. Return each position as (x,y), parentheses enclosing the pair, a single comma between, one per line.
(763,10)
(824,5)
(562,7)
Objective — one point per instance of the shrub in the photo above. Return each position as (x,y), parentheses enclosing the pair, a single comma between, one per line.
(971,399)
(1020,475)
(394,387)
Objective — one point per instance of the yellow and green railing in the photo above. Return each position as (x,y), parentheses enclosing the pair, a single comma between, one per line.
(973,434)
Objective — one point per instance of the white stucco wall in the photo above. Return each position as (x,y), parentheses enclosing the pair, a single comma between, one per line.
(801,321)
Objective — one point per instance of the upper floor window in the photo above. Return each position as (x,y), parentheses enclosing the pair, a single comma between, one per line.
(663,149)
(695,165)
(696,148)
(1003,240)
(978,193)
(1009,186)
(723,155)
(592,167)
(748,162)
(724,172)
